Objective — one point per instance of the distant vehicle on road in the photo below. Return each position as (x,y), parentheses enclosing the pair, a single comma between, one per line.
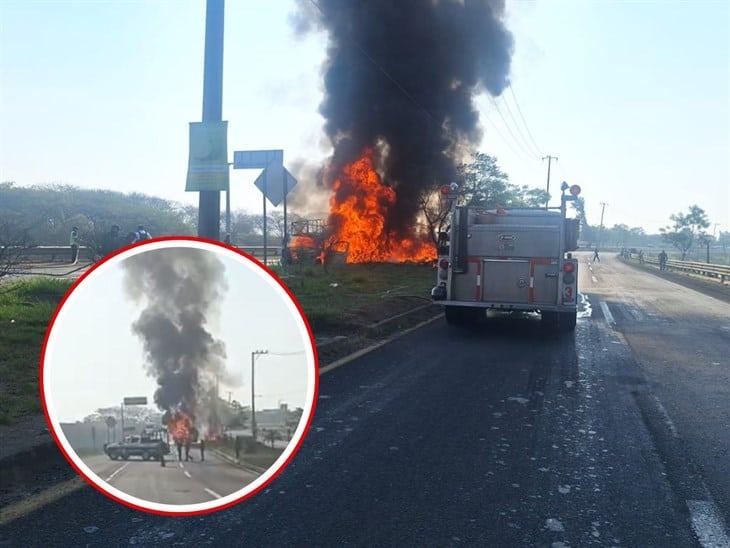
(137,446)
(509,259)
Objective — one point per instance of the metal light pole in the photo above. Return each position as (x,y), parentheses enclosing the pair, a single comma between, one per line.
(254,354)
(209,205)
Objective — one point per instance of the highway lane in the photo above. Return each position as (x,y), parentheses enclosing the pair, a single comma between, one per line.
(502,435)
(178,482)
(682,340)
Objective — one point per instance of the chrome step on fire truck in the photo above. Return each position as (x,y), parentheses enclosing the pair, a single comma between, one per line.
(510,260)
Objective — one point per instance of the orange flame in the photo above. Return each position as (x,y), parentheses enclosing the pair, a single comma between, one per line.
(180,427)
(359,218)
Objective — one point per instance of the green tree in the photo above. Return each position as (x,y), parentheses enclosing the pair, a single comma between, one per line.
(484,184)
(686,229)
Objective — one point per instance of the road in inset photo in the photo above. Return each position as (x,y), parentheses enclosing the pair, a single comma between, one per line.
(178,375)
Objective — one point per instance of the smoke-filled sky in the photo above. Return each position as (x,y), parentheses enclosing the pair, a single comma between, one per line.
(632,97)
(100,355)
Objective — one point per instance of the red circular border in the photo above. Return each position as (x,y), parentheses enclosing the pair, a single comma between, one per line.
(311,341)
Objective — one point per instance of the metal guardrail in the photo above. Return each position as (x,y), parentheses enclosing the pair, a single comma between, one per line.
(53,253)
(62,253)
(719,272)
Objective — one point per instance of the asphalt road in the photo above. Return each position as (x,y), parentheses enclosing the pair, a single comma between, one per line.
(504,435)
(175,483)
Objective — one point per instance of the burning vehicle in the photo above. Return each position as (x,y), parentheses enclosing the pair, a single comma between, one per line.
(180,288)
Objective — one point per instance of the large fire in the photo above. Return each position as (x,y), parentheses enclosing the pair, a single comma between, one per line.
(180,427)
(358,212)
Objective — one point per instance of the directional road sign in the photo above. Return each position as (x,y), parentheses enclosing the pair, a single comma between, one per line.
(137,400)
(275,182)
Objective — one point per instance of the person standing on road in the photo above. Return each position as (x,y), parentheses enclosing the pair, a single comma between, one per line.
(238,447)
(73,242)
(663,260)
(595,256)
(178,443)
(187,449)
(202,450)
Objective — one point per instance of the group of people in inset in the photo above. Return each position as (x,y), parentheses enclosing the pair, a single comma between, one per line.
(186,444)
(111,241)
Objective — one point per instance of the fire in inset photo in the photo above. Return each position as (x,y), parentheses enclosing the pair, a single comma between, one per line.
(179,376)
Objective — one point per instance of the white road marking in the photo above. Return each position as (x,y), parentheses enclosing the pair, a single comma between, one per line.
(212,493)
(607,313)
(179,464)
(122,467)
(594,279)
(667,419)
(708,524)
(187,474)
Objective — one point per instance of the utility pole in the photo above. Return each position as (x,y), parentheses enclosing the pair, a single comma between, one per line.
(254,355)
(549,159)
(600,230)
(209,205)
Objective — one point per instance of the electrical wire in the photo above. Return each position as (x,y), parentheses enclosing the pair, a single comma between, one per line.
(519,110)
(499,111)
(532,149)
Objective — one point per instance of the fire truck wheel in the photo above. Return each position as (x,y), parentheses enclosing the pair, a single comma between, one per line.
(462,316)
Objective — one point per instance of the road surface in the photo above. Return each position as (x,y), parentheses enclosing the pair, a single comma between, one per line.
(175,483)
(505,435)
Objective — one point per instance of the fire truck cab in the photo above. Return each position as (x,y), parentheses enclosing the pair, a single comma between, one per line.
(510,260)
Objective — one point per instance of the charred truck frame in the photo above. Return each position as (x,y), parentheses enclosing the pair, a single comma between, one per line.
(508,259)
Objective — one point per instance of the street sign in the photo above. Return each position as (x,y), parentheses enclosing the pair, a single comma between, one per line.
(129,428)
(137,400)
(256,159)
(275,182)
(111,422)
(208,160)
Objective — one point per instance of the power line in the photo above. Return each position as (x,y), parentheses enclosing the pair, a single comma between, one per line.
(517,125)
(496,106)
(516,152)
(299,352)
(519,110)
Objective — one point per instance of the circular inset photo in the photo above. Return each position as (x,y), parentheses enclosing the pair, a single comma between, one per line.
(179,376)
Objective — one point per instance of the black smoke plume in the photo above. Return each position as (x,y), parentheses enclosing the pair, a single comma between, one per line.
(400,77)
(180,289)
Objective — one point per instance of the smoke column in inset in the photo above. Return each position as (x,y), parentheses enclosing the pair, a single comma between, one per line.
(401,77)
(180,289)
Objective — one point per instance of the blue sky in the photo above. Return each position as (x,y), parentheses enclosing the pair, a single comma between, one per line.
(95,359)
(632,97)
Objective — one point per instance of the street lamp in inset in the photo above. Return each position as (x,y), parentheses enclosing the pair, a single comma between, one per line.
(254,355)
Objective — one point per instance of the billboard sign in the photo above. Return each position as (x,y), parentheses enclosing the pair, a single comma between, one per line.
(208,159)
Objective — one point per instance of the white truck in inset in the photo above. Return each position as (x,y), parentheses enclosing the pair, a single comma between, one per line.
(511,260)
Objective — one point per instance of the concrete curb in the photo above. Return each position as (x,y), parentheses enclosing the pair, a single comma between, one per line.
(250,467)
(363,351)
